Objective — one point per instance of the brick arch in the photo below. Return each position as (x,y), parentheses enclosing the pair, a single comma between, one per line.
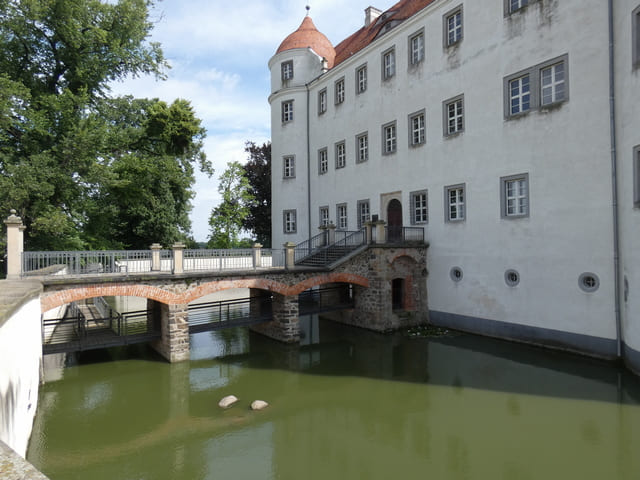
(410,255)
(327,278)
(58,299)
(219,285)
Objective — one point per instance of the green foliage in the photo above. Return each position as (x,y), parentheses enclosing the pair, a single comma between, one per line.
(226,219)
(84,170)
(258,173)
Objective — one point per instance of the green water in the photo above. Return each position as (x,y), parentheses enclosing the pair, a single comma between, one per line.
(350,404)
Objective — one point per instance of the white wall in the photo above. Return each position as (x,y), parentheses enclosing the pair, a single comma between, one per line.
(20,361)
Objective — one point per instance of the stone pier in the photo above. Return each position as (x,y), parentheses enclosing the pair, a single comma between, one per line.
(285,325)
(174,326)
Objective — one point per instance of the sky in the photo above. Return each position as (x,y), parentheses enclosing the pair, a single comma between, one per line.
(218,51)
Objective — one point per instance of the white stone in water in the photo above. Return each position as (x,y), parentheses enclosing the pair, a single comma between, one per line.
(227,401)
(259,405)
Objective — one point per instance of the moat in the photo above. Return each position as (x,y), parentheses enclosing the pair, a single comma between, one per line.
(346,404)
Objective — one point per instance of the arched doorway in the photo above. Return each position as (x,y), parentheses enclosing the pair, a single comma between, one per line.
(394,221)
(397,294)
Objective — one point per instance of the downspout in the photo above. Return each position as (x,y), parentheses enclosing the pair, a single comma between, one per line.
(306,85)
(614,185)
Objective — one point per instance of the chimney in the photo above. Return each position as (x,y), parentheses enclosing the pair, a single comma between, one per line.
(370,15)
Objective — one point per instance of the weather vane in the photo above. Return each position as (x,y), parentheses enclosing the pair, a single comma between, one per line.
(308,8)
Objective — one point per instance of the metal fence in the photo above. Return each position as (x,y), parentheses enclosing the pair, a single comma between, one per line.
(84,262)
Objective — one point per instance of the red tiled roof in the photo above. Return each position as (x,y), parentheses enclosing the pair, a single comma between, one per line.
(307,35)
(363,37)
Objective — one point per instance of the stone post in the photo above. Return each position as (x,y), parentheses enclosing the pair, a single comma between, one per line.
(155,257)
(257,255)
(323,229)
(15,245)
(289,255)
(369,227)
(379,226)
(178,258)
(332,233)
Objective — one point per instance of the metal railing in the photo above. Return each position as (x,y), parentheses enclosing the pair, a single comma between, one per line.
(211,260)
(345,241)
(306,248)
(400,235)
(86,262)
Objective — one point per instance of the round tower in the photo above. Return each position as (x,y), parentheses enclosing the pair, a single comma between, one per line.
(303,56)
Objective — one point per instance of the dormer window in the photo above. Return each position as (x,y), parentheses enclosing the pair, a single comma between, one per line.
(287,70)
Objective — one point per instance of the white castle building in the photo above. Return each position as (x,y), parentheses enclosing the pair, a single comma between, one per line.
(508,129)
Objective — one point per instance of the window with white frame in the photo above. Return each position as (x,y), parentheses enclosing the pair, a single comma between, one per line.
(453,115)
(362,147)
(539,87)
(419,207)
(324,216)
(552,82)
(323,161)
(635,37)
(416,129)
(515,5)
(361,79)
(364,212)
(322,101)
(287,111)
(388,64)
(389,138)
(341,216)
(289,166)
(519,95)
(454,202)
(636,176)
(339,91)
(416,48)
(453,26)
(287,70)
(341,154)
(289,221)
(514,198)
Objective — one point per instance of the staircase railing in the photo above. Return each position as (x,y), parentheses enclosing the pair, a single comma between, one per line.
(306,248)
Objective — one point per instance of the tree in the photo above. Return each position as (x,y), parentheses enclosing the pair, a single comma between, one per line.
(226,219)
(68,152)
(258,173)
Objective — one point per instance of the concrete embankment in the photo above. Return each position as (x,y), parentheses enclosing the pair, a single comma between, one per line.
(20,362)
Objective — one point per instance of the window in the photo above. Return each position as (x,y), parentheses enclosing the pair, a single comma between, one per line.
(361,79)
(588,282)
(511,277)
(416,48)
(454,203)
(416,129)
(419,212)
(453,26)
(341,155)
(519,95)
(287,70)
(323,161)
(389,138)
(339,90)
(289,167)
(514,198)
(541,86)
(636,176)
(635,37)
(552,84)
(322,101)
(364,213)
(289,221)
(362,147)
(324,216)
(453,115)
(456,274)
(515,5)
(341,216)
(388,64)
(287,111)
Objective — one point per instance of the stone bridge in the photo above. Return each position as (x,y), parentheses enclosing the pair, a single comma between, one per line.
(387,282)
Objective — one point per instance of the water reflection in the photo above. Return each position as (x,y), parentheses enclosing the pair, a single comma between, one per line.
(348,403)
